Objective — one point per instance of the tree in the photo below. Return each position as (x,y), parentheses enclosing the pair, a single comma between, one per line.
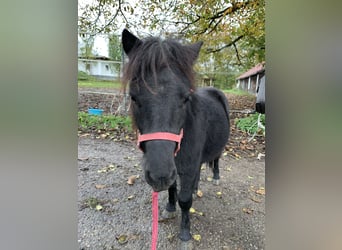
(86,45)
(115,50)
(114,47)
(233,31)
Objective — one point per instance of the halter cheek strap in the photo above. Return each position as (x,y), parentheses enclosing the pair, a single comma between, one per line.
(162,136)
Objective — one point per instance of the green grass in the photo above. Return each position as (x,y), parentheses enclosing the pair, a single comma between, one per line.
(237,92)
(99,84)
(87,81)
(89,123)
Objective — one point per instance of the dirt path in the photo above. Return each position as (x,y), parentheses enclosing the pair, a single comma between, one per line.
(110,208)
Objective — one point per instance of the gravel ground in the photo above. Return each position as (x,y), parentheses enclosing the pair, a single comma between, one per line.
(116,215)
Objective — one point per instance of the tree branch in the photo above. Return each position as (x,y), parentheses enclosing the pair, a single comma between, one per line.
(237,53)
(225,46)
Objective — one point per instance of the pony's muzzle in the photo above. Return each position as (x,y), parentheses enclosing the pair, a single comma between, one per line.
(159,164)
(160,182)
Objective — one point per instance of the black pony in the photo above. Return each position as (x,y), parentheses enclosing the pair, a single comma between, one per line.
(169,112)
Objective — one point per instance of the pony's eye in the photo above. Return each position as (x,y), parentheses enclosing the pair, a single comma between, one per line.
(187,98)
(135,101)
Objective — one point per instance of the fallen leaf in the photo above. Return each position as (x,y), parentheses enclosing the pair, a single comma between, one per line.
(106,169)
(199,213)
(199,193)
(103,136)
(192,210)
(247,210)
(250,177)
(209,179)
(171,236)
(197,237)
(84,135)
(98,207)
(228,169)
(260,155)
(83,158)
(130,197)
(122,239)
(99,186)
(255,200)
(260,191)
(219,194)
(131,179)
(92,202)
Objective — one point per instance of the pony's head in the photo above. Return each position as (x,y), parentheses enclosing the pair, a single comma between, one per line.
(161,82)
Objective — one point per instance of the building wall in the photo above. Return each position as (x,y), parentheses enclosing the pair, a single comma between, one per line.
(100,68)
(249,84)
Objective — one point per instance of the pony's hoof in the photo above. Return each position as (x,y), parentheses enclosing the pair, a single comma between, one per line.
(185,245)
(168,215)
(216,182)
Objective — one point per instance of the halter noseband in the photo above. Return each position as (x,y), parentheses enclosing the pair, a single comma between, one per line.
(162,136)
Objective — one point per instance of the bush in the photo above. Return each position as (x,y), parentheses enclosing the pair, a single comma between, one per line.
(89,123)
(82,76)
(250,123)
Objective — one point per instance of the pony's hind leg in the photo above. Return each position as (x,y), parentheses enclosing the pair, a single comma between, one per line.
(216,171)
(170,209)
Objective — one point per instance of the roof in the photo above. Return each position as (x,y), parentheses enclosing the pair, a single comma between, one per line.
(95,58)
(260,67)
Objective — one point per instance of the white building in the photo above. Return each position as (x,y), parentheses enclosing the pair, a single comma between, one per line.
(100,65)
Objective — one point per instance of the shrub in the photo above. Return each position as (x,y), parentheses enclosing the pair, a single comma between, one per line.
(87,122)
(82,76)
(250,123)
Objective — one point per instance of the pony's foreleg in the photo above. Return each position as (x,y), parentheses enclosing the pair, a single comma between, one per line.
(171,205)
(216,172)
(170,209)
(185,202)
(198,175)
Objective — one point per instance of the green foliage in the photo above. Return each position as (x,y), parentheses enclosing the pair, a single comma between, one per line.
(115,51)
(237,92)
(249,123)
(89,123)
(233,32)
(87,48)
(114,47)
(83,76)
(93,83)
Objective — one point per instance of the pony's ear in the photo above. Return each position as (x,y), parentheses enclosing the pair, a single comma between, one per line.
(195,49)
(129,41)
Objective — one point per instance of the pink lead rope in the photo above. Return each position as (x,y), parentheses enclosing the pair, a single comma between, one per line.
(154,220)
(158,136)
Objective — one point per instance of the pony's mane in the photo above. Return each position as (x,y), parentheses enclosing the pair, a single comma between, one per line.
(153,55)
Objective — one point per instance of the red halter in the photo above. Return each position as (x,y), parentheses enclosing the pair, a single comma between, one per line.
(162,136)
